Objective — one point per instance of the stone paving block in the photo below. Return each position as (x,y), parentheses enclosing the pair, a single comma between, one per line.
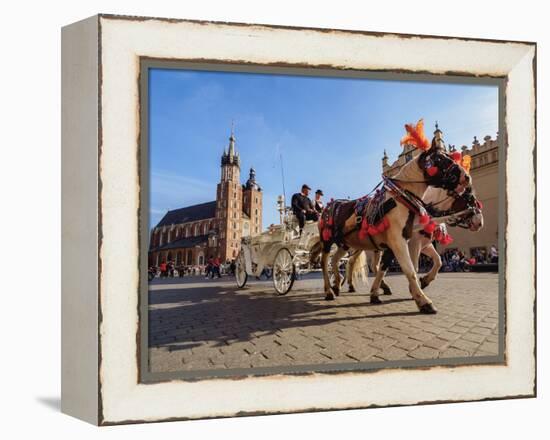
(459,329)
(437,343)
(393,354)
(424,353)
(464,345)
(254,328)
(453,352)
(481,331)
(383,343)
(490,347)
(449,336)
(422,336)
(473,337)
(362,354)
(407,344)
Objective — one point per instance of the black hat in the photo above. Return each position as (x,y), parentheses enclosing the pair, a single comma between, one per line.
(304,186)
(319,192)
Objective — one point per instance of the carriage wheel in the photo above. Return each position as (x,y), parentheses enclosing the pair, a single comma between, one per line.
(240,271)
(283,272)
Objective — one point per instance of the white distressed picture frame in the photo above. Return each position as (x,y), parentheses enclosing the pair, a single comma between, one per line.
(100,182)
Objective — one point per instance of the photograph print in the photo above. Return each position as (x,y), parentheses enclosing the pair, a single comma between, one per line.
(318,221)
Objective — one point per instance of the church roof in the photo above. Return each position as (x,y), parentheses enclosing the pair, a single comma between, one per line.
(189,214)
(186,242)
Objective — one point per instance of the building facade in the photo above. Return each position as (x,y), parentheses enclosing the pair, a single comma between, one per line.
(484,173)
(190,235)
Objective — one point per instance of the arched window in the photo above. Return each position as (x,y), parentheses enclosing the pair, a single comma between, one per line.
(196,230)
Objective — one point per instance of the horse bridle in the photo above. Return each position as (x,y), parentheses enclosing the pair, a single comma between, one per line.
(446,178)
(460,219)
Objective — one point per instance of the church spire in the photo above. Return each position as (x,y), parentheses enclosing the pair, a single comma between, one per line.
(230,155)
(232,141)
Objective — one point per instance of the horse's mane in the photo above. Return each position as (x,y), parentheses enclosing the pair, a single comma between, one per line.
(410,171)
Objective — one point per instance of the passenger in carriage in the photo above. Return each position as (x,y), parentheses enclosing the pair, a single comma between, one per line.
(303,208)
(318,203)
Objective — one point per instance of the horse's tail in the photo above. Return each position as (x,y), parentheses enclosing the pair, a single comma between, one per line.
(315,250)
(357,268)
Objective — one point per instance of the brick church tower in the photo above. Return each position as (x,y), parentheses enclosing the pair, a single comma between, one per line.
(252,203)
(229,203)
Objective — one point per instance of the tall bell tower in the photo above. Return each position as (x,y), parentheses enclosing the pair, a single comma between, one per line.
(229,203)
(252,203)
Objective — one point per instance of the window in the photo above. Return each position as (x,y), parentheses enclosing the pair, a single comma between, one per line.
(234,225)
(256,200)
(234,235)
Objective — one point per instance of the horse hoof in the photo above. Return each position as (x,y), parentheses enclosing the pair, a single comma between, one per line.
(387,291)
(336,291)
(424,283)
(351,289)
(428,309)
(375,300)
(329,297)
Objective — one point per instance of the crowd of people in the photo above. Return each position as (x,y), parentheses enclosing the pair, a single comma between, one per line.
(213,268)
(454,260)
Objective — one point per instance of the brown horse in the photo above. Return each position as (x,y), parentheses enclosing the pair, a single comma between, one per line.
(433,167)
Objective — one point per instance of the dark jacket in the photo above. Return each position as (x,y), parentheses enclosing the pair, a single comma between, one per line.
(301,203)
(318,206)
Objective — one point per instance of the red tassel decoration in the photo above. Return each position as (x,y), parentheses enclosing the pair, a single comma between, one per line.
(456,156)
(446,240)
(326,234)
(321,223)
(371,230)
(430,227)
(424,219)
(330,221)
(479,204)
(432,171)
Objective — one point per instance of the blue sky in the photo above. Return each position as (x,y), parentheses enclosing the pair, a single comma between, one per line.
(331,132)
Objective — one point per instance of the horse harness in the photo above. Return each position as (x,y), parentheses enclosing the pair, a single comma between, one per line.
(371,208)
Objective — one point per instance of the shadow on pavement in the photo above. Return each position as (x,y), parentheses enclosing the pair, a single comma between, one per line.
(187,317)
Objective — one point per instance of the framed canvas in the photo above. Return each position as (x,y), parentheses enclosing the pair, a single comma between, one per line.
(202,279)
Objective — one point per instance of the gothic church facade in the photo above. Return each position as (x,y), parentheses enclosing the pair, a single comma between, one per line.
(190,235)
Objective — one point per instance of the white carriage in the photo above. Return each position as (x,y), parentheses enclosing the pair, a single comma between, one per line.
(281,250)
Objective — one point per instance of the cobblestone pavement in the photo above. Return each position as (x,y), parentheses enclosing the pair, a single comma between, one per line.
(198,324)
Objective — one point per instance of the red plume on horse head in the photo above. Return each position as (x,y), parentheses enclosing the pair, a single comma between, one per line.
(415,136)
